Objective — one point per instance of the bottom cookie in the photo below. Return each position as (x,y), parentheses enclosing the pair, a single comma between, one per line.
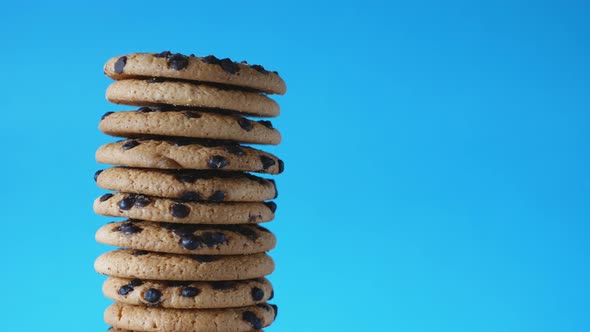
(148,319)
(114,329)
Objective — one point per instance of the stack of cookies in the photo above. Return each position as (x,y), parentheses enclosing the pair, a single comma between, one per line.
(194,256)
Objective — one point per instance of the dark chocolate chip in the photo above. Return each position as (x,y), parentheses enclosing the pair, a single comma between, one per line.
(129,145)
(127,202)
(272,206)
(281,166)
(184,230)
(128,228)
(245,231)
(177,61)
(192,115)
(257,294)
(245,124)
(135,283)
(105,115)
(120,64)
(126,289)
(266,123)
(235,150)
(211,239)
(97,173)
(267,161)
(252,319)
(164,54)
(204,258)
(190,196)
(190,242)
(189,292)
(152,295)
(259,69)
(210,59)
(145,110)
(217,196)
(142,201)
(253,218)
(229,66)
(179,210)
(272,295)
(105,197)
(140,253)
(217,162)
(276,309)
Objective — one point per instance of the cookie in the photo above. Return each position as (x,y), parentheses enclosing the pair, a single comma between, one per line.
(188,295)
(187,94)
(187,239)
(127,263)
(141,318)
(188,185)
(166,210)
(188,154)
(204,69)
(193,124)
(114,329)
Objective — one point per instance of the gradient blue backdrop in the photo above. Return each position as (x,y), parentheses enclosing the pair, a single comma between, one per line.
(436,157)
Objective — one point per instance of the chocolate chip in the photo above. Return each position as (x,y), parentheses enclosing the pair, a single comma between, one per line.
(245,124)
(190,242)
(128,228)
(120,64)
(204,258)
(105,197)
(267,161)
(97,173)
(210,59)
(177,61)
(257,294)
(129,145)
(253,218)
(189,292)
(145,110)
(184,230)
(179,210)
(229,66)
(211,239)
(140,253)
(192,115)
(276,309)
(266,123)
(245,231)
(190,196)
(142,201)
(127,202)
(217,162)
(259,69)
(164,54)
(152,295)
(105,115)
(252,319)
(217,196)
(234,149)
(126,289)
(272,295)
(281,166)
(272,206)
(135,283)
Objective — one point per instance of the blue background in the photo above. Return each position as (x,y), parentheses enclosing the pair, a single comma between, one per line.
(436,157)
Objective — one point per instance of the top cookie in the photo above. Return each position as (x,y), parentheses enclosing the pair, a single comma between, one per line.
(203,69)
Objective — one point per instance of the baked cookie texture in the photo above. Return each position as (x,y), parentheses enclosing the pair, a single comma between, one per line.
(191,124)
(193,256)
(187,239)
(182,154)
(189,94)
(188,294)
(202,69)
(188,185)
(127,263)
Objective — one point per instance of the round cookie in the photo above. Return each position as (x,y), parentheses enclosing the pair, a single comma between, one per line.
(140,318)
(114,329)
(182,154)
(193,124)
(188,295)
(189,94)
(187,239)
(204,69)
(126,263)
(166,210)
(188,185)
